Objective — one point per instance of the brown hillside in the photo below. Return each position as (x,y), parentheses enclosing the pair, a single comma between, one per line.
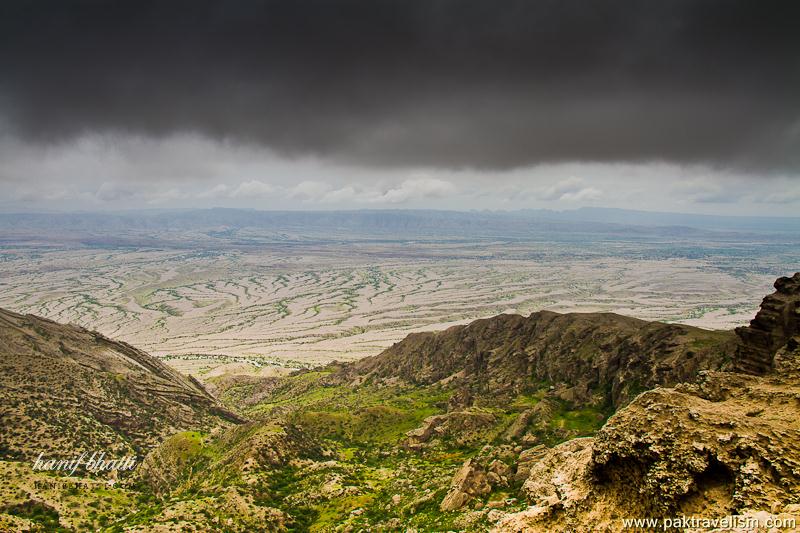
(65,389)
(583,353)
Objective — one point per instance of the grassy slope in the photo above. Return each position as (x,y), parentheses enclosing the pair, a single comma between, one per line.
(365,427)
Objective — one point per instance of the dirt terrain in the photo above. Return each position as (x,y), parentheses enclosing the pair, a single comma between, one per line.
(307,305)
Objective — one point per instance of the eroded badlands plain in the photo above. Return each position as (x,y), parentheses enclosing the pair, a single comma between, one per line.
(253,301)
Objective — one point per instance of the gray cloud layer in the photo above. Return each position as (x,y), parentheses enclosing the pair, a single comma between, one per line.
(490,85)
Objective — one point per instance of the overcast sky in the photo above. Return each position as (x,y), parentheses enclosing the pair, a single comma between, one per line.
(663,105)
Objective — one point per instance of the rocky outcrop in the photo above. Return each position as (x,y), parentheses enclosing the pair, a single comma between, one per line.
(478,476)
(776,322)
(469,482)
(727,444)
(520,425)
(232,511)
(561,477)
(461,426)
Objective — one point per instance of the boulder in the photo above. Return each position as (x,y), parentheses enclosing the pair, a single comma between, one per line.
(469,482)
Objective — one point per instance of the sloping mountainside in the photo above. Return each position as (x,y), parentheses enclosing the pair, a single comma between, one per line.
(593,360)
(64,389)
(586,354)
(510,424)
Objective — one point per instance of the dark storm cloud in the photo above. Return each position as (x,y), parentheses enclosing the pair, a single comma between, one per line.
(443,83)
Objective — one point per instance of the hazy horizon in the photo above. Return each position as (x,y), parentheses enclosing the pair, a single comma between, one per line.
(388,209)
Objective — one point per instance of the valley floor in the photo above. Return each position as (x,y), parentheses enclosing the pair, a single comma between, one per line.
(276,308)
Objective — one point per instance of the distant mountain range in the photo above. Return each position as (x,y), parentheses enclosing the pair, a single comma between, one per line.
(654,218)
(404,224)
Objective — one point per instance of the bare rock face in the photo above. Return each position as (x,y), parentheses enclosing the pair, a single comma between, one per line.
(733,451)
(478,476)
(528,459)
(563,476)
(520,425)
(776,322)
(461,426)
(559,481)
(727,444)
(469,482)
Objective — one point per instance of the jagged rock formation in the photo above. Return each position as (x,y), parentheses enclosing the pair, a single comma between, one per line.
(64,389)
(776,322)
(589,357)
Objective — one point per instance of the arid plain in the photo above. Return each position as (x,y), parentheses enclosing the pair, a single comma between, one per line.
(275,307)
